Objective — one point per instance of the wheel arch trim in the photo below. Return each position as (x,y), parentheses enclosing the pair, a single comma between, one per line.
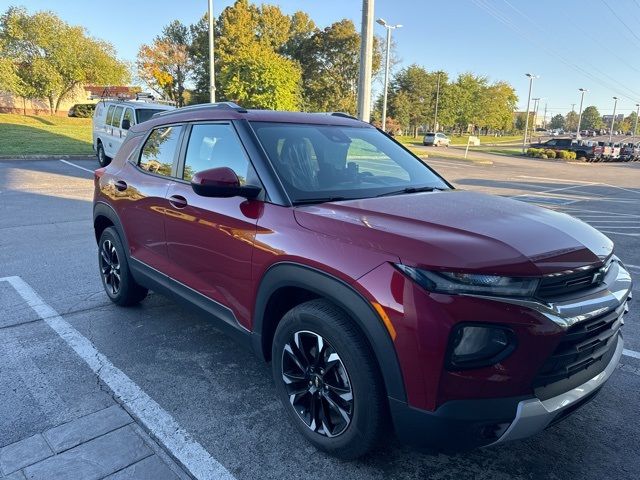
(345,296)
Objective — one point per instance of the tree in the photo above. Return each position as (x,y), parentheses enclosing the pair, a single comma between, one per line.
(257,77)
(591,119)
(411,97)
(330,65)
(165,65)
(557,122)
(632,120)
(52,58)
(498,101)
(571,121)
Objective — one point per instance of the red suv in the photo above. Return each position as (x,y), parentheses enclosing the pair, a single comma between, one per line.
(382,296)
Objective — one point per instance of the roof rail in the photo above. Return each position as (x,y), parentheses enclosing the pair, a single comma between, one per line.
(343,115)
(204,106)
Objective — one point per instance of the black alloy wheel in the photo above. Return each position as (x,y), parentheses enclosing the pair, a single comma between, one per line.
(317,383)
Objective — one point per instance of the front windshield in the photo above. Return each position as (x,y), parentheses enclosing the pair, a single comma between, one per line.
(144,114)
(324,162)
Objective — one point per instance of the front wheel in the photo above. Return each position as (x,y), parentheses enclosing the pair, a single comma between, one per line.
(327,380)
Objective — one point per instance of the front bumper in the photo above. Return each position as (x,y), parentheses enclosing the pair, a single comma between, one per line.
(461,425)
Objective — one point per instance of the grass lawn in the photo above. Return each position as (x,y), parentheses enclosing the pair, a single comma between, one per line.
(32,135)
(455,140)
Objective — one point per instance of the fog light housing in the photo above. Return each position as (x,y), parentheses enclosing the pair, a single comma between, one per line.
(478,345)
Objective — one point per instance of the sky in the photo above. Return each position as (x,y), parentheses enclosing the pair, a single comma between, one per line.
(569,44)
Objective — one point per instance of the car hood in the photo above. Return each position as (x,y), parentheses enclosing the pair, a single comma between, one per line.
(462,231)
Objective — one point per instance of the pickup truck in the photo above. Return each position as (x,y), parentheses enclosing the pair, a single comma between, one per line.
(584,148)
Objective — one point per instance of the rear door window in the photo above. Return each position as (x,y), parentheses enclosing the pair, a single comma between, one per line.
(128,115)
(159,151)
(115,121)
(110,114)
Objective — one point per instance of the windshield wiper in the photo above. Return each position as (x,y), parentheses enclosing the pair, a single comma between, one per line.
(308,201)
(411,190)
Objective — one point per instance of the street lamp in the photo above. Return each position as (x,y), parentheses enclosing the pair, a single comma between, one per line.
(613,119)
(582,91)
(212,74)
(382,22)
(526,123)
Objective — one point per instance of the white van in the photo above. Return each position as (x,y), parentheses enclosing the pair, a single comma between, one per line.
(112,119)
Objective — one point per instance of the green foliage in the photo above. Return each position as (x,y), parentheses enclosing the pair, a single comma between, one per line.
(571,121)
(165,65)
(550,153)
(591,119)
(82,110)
(257,77)
(51,58)
(557,122)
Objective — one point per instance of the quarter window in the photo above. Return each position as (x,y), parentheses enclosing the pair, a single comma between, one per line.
(213,146)
(128,115)
(160,149)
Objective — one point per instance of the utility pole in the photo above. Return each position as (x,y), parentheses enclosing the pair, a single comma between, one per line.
(212,73)
(536,103)
(613,119)
(582,91)
(635,128)
(435,116)
(526,122)
(573,107)
(366,61)
(382,22)
(544,120)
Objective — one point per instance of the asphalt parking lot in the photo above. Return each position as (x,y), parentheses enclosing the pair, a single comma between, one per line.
(208,403)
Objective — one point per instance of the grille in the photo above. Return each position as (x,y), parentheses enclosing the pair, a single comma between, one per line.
(555,286)
(585,348)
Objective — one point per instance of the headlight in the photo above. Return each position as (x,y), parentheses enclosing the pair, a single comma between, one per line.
(473,283)
(477,346)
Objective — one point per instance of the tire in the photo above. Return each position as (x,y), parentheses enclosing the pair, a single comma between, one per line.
(116,277)
(352,372)
(103,160)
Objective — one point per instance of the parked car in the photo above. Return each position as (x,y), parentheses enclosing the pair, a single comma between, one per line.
(436,139)
(589,150)
(380,294)
(111,121)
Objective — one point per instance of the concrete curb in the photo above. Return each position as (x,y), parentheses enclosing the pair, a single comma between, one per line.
(46,157)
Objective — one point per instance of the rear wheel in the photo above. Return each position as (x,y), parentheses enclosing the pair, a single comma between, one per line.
(103,160)
(117,280)
(327,380)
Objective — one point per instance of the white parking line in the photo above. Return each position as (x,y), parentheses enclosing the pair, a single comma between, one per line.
(158,421)
(561,180)
(631,353)
(634,267)
(77,166)
(553,190)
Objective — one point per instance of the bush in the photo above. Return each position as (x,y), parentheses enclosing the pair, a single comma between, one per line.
(566,155)
(571,155)
(82,110)
(550,153)
(532,152)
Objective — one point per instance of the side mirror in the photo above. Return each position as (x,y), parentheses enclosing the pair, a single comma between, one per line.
(126,124)
(222,182)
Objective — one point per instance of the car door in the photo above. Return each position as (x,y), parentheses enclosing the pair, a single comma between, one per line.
(112,145)
(140,195)
(120,133)
(210,240)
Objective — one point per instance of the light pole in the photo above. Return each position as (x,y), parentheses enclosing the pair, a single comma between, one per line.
(613,119)
(526,122)
(212,73)
(582,91)
(635,128)
(382,22)
(435,116)
(366,61)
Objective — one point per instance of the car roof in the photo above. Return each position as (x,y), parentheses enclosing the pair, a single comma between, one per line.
(230,111)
